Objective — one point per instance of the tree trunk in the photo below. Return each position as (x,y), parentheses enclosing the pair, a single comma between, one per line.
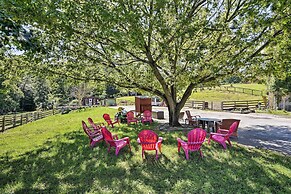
(175,107)
(174,112)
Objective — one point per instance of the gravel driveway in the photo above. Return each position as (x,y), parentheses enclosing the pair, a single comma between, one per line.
(258,130)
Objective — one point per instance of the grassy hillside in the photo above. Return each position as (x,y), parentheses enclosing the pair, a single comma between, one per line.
(52,155)
(251,86)
(216,96)
(129,99)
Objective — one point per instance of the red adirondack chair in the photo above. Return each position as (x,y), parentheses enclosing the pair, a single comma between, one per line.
(113,141)
(149,140)
(130,118)
(223,137)
(147,117)
(94,137)
(109,121)
(196,137)
(95,127)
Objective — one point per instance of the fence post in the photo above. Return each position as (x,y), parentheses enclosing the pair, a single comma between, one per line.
(14,120)
(26,118)
(222,105)
(21,119)
(192,104)
(3,123)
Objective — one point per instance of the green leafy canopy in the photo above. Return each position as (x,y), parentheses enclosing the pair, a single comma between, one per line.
(163,47)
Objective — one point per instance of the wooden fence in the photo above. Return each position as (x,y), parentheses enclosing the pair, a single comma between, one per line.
(124,103)
(236,90)
(242,105)
(196,104)
(10,121)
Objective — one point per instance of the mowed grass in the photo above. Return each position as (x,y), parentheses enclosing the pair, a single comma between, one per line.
(215,95)
(218,96)
(52,156)
(251,86)
(129,99)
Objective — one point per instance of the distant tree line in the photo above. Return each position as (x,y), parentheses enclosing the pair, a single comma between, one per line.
(30,93)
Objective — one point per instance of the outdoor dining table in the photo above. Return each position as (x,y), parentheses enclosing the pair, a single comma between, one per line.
(210,122)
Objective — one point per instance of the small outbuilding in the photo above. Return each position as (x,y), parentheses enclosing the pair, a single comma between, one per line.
(90,101)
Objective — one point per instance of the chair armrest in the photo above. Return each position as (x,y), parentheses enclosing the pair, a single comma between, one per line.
(198,116)
(119,141)
(181,141)
(117,121)
(218,123)
(159,140)
(219,134)
(115,136)
(223,130)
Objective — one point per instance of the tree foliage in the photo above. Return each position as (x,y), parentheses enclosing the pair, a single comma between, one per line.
(163,47)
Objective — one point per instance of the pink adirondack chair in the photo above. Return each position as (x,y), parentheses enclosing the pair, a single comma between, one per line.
(149,140)
(113,141)
(147,117)
(95,127)
(196,137)
(94,137)
(130,118)
(223,137)
(109,121)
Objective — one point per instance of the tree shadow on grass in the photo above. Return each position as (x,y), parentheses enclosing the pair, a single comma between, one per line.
(67,164)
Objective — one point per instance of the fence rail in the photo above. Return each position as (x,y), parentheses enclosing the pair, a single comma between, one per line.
(125,103)
(249,91)
(10,121)
(197,104)
(241,105)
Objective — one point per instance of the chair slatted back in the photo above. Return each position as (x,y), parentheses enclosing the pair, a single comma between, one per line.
(232,128)
(130,115)
(107,135)
(188,114)
(95,127)
(195,138)
(148,139)
(107,118)
(147,114)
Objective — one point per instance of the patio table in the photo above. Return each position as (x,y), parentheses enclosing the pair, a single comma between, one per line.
(210,122)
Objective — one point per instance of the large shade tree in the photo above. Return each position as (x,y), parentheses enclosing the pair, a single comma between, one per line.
(163,47)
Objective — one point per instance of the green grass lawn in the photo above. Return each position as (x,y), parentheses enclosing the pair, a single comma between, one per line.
(129,99)
(214,95)
(52,156)
(251,86)
(218,96)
